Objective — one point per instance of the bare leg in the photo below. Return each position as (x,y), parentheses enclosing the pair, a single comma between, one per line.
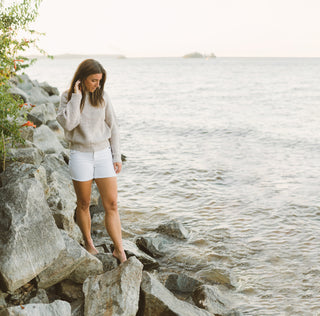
(83,192)
(109,195)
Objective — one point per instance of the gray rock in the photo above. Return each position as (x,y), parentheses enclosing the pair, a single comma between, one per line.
(56,128)
(49,89)
(181,283)
(108,260)
(54,99)
(89,267)
(37,95)
(15,91)
(30,155)
(45,139)
(24,83)
(157,300)
(42,113)
(173,229)
(211,299)
(153,246)
(115,292)
(29,238)
(41,297)
(64,265)
(57,308)
(18,171)
(132,250)
(62,198)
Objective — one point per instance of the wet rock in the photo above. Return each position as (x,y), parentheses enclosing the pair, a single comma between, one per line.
(173,229)
(153,246)
(181,283)
(57,308)
(45,139)
(89,267)
(29,238)
(70,291)
(40,297)
(70,258)
(214,276)
(42,113)
(131,249)
(211,299)
(109,262)
(158,300)
(115,292)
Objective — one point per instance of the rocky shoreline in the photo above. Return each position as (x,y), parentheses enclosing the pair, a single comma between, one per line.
(44,270)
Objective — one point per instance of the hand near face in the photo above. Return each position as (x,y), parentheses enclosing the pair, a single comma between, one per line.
(77,87)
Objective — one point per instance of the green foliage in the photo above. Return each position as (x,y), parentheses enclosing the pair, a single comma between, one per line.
(15,37)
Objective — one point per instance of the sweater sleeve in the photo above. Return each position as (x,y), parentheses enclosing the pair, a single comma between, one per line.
(111,121)
(69,111)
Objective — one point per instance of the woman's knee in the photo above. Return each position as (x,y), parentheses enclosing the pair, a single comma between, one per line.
(83,204)
(111,206)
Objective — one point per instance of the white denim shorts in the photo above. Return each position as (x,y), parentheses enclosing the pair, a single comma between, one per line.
(85,166)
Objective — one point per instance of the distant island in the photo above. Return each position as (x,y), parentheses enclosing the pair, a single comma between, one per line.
(198,55)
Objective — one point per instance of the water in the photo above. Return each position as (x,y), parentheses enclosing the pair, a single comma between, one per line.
(230,147)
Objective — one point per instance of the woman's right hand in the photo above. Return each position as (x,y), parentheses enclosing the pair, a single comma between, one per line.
(77,87)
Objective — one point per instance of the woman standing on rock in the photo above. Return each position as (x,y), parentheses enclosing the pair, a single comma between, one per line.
(89,122)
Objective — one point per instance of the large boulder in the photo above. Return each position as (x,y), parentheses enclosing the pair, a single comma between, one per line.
(15,91)
(57,308)
(89,267)
(29,238)
(37,95)
(61,198)
(64,265)
(49,89)
(42,113)
(115,292)
(28,153)
(158,300)
(45,139)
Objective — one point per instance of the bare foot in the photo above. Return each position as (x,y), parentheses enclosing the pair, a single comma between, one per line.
(120,255)
(91,248)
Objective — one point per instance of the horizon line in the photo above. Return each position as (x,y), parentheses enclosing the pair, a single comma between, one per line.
(127,57)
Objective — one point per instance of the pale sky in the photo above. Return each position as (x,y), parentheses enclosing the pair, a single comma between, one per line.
(150,28)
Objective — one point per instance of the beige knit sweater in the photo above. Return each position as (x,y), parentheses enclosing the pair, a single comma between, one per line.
(93,129)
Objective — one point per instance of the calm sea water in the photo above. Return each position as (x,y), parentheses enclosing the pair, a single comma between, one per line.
(231,148)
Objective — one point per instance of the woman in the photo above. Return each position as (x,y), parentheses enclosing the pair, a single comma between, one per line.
(90,126)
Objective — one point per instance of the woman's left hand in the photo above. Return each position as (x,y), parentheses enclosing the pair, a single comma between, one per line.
(117,166)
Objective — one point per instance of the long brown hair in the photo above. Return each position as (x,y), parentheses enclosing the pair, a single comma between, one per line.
(86,68)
